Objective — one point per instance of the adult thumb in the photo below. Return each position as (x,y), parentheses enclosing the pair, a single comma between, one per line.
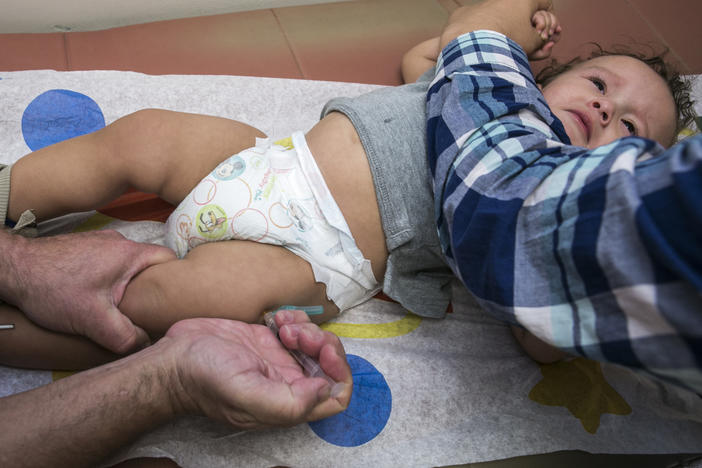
(117,333)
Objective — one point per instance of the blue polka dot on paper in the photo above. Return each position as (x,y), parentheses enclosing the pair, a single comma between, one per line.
(368,411)
(57,115)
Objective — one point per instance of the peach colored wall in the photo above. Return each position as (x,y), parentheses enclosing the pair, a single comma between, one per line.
(658,23)
(33,16)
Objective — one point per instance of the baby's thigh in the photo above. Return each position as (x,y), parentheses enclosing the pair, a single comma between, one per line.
(230,279)
(169,152)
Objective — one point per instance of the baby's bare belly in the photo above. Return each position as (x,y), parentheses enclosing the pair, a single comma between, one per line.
(342,160)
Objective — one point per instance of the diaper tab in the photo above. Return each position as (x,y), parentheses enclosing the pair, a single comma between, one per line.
(282,159)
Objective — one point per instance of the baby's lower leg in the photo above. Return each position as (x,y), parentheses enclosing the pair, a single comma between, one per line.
(74,175)
(30,346)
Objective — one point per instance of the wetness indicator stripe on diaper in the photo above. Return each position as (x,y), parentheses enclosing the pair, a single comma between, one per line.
(309,310)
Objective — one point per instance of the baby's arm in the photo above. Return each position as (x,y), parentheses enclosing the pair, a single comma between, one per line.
(423,56)
(419,59)
(513,18)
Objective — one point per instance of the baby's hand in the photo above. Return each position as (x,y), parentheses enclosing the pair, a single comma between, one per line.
(549,28)
(513,18)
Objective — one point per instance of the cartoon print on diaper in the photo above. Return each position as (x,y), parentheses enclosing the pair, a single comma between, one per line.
(187,240)
(211,221)
(230,168)
(183,224)
(256,159)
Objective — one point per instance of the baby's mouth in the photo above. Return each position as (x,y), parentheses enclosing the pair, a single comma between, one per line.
(583,122)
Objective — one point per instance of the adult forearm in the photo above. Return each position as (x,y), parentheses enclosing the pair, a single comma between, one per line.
(82,419)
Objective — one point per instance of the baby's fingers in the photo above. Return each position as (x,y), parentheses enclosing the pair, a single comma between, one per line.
(546,25)
(541,22)
(554,27)
(542,53)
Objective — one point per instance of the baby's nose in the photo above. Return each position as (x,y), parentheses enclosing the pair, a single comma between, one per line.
(604,108)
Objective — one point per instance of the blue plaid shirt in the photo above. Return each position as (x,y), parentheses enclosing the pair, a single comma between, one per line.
(598,252)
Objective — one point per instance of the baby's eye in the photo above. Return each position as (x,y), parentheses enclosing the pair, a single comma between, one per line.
(599,84)
(631,128)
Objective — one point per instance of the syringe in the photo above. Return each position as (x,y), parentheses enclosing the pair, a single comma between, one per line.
(310,366)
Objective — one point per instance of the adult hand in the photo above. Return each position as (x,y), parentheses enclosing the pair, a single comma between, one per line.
(510,17)
(241,374)
(224,369)
(73,283)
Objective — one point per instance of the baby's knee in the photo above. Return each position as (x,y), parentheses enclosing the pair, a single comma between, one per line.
(143,124)
(143,120)
(130,135)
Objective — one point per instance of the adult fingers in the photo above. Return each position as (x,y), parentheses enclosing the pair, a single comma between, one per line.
(309,338)
(326,348)
(283,317)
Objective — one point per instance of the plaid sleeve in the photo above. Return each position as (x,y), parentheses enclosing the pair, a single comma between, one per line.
(595,251)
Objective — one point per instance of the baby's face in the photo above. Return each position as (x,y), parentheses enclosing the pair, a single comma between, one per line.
(611,97)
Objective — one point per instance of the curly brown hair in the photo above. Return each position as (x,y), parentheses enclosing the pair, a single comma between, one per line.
(679,87)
